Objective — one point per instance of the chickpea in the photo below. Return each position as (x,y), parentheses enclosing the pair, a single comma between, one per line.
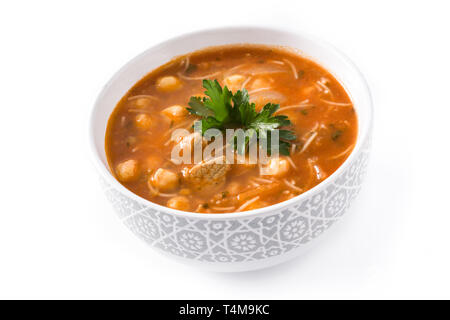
(175,112)
(164,180)
(127,170)
(179,203)
(168,84)
(234,82)
(143,121)
(277,167)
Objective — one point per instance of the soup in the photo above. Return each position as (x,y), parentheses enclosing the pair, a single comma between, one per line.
(319,136)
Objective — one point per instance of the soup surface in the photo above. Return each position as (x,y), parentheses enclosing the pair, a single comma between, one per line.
(139,139)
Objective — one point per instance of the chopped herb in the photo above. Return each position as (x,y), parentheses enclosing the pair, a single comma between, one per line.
(300,73)
(336,134)
(224,194)
(223,110)
(304,112)
(191,68)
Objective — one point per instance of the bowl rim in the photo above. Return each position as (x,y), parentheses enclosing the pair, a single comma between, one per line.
(112,181)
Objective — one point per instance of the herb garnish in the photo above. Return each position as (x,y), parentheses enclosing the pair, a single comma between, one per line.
(191,68)
(336,134)
(223,110)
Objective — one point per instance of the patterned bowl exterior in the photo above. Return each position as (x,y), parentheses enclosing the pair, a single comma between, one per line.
(243,239)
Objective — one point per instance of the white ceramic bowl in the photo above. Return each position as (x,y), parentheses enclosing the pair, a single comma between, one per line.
(245,240)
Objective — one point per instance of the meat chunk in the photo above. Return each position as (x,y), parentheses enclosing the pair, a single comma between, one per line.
(208,173)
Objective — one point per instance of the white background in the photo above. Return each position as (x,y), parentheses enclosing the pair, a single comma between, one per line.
(58,235)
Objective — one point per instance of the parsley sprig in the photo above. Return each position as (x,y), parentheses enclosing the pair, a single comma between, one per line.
(222,109)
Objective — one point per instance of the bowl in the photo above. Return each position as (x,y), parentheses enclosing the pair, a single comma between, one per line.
(249,240)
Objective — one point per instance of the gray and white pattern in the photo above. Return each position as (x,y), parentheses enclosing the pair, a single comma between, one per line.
(243,239)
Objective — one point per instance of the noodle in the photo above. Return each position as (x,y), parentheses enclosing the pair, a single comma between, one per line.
(307,143)
(246,82)
(296,106)
(276,62)
(294,70)
(292,186)
(142,96)
(259,90)
(342,104)
(262,180)
(211,75)
(223,208)
(187,63)
(246,204)
(140,111)
(342,153)
(292,163)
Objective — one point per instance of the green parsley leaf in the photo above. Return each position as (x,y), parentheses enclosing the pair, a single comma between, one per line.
(223,109)
(219,101)
(198,108)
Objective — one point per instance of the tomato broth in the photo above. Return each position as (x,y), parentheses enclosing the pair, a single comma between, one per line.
(139,139)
